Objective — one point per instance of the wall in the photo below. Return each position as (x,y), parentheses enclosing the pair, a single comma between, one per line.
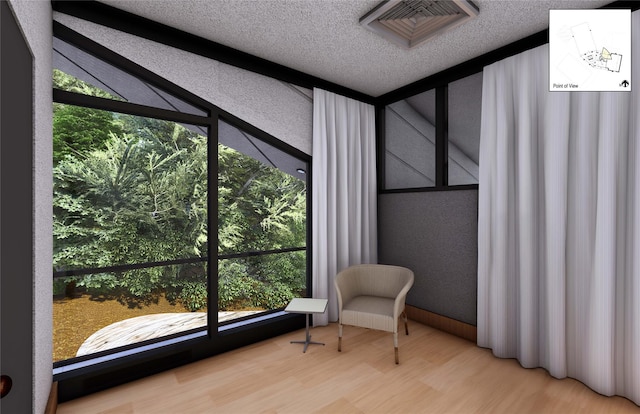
(271,105)
(16,111)
(435,234)
(34,20)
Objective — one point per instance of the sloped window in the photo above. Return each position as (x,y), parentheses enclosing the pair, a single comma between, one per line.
(432,138)
(410,142)
(134,167)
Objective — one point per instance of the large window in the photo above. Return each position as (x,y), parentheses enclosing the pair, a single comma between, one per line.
(130,205)
(130,226)
(134,195)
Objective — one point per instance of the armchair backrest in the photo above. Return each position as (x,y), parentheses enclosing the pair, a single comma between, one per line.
(373,280)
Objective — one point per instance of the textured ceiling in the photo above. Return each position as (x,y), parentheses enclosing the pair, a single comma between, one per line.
(324,38)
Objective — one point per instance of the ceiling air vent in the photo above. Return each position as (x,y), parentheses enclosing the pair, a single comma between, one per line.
(411,22)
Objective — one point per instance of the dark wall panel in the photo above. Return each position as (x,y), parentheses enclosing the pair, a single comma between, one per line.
(435,234)
(16,229)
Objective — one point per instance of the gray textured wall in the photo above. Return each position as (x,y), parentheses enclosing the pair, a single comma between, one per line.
(16,240)
(435,234)
(34,19)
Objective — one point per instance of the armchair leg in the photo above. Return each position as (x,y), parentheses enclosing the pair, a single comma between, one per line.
(395,346)
(339,338)
(406,326)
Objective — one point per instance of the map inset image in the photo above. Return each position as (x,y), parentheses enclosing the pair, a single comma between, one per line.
(600,58)
(590,50)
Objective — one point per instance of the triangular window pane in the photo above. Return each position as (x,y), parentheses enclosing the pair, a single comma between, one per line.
(114,82)
(257,149)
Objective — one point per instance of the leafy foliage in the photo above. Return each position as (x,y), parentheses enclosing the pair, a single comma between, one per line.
(77,129)
(134,190)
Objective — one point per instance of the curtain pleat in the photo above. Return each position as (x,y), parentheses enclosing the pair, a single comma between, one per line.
(559,225)
(344,223)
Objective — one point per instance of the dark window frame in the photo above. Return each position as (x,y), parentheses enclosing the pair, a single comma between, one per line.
(441,88)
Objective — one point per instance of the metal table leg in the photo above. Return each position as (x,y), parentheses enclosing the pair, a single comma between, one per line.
(307,340)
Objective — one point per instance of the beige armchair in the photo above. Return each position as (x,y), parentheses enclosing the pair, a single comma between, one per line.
(373,296)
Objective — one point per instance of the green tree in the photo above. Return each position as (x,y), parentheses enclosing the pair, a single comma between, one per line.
(133,190)
(143,198)
(259,208)
(66,82)
(78,129)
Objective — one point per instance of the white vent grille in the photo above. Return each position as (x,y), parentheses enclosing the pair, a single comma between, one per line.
(411,22)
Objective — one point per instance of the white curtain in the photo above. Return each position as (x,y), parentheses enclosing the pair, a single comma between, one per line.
(344,223)
(559,225)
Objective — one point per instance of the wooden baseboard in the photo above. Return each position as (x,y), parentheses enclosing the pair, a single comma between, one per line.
(452,326)
(52,402)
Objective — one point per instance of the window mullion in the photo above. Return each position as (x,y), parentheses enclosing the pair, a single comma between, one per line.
(442,130)
(94,102)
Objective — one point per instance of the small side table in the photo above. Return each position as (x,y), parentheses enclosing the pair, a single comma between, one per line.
(307,306)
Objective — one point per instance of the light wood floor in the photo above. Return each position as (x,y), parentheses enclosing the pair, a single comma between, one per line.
(438,373)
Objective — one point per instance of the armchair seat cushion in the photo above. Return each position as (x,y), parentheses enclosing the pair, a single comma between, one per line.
(370,312)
